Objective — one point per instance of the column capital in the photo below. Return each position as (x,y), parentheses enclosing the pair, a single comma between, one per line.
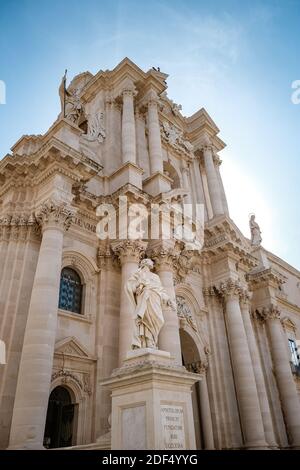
(164,258)
(151,99)
(230,289)
(54,214)
(245,298)
(129,250)
(199,367)
(270,312)
(207,145)
(217,159)
(128,91)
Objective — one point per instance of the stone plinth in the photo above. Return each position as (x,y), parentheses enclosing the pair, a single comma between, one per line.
(127,173)
(151,403)
(157,183)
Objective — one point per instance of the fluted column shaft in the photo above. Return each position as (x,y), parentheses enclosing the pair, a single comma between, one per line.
(34,377)
(258,373)
(249,407)
(169,339)
(155,149)
(129,252)
(128,128)
(212,181)
(284,377)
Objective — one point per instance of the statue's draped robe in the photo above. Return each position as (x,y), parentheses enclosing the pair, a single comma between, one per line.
(147,304)
(255,233)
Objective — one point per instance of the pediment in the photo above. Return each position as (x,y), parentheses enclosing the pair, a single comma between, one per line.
(288,324)
(70,346)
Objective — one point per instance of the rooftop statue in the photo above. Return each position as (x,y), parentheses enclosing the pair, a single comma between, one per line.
(255,232)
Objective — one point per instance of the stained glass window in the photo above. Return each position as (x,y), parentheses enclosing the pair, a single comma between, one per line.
(70,294)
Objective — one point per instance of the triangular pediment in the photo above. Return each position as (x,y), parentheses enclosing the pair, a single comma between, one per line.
(70,346)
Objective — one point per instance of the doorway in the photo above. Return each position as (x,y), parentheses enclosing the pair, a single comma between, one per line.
(190,357)
(61,414)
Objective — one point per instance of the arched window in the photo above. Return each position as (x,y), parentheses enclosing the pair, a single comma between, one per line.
(70,294)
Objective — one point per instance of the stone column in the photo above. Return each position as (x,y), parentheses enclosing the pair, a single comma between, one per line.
(155,149)
(284,377)
(186,182)
(128,127)
(199,186)
(258,373)
(248,402)
(130,253)
(34,377)
(169,339)
(212,180)
(218,162)
(141,144)
(205,413)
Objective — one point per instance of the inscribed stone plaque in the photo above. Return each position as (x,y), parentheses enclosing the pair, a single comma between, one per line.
(134,428)
(172,421)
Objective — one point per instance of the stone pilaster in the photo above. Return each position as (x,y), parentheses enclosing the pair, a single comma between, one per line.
(31,401)
(245,303)
(169,339)
(129,252)
(248,402)
(128,127)
(199,184)
(212,180)
(284,378)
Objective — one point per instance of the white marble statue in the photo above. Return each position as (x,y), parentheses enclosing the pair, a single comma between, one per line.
(148,296)
(255,231)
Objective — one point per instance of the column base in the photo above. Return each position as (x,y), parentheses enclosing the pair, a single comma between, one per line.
(127,173)
(257,445)
(157,183)
(151,403)
(27,446)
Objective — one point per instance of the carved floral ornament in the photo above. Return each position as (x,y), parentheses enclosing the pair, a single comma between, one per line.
(174,136)
(198,367)
(55,213)
(184,313)
(229,288)
(82,380)
(271,312)
(129,250)
(169,106)
(18,227)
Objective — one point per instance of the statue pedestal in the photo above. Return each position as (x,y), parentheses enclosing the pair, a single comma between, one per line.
(151,403)
(156,184)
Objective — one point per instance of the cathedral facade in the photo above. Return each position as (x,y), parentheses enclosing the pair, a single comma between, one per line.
(65,318)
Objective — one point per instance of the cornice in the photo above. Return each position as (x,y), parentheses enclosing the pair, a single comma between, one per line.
(223,238)
(126,70)
(285,303)
(269,276)
(53,157)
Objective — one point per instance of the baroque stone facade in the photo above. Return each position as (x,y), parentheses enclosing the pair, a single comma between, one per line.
(64,314)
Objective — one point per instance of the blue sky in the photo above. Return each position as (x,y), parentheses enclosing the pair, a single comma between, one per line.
(236,59)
